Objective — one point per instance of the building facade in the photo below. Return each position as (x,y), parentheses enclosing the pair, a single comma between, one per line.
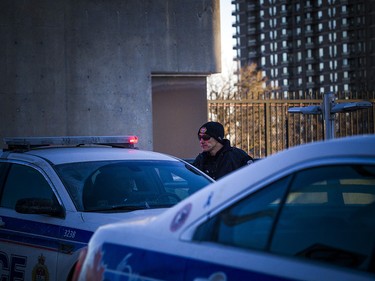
(308,45)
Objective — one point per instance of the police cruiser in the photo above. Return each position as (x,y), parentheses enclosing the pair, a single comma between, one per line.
(307,213)
(56,191)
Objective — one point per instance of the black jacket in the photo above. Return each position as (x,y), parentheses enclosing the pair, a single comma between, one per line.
(225,161)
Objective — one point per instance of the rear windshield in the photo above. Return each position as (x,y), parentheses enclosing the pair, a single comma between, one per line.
(110,186)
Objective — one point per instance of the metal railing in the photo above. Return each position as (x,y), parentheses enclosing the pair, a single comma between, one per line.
(261,124)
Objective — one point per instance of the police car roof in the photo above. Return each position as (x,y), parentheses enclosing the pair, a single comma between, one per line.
(83,154)
(59,150)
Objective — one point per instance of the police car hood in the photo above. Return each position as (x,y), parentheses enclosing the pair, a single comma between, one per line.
(105,218)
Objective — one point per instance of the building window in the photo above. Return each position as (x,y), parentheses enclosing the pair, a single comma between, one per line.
(263,61)
(345,48)
(309,54)
(332,24)
(332,12)
(334,37)
(285,57)
(333,51)
(299,56)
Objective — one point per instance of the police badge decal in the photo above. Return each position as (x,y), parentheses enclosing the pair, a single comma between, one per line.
(40,271)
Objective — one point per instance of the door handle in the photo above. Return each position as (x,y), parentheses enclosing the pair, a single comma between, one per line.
(66,248)
(1,222)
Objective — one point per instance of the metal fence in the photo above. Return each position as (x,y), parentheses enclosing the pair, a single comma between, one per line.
(260,124)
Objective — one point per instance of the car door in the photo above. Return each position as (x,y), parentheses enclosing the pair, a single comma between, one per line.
(314,224)
(28,242)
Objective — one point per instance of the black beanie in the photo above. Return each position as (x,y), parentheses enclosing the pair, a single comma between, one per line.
(213,129)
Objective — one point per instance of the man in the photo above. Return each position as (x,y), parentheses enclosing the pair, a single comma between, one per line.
(218,157)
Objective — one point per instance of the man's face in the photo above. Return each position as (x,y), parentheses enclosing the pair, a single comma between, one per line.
(209,144)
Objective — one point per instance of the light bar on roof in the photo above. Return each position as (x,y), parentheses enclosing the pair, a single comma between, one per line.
(29,142)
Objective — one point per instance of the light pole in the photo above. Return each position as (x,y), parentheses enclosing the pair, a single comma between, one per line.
(329,108)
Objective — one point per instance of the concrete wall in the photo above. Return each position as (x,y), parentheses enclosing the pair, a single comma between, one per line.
(84,67)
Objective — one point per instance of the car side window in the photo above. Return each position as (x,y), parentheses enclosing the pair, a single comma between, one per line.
(326,214)
(24,182)
(329,216)
(248,223)
(2,174)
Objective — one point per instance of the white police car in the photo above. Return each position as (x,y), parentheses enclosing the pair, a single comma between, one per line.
(307,213)
(54,192)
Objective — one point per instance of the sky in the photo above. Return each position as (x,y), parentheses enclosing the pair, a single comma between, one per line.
(227,32)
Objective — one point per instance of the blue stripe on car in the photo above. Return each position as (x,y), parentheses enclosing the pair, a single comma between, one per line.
(126,263)
(42,235)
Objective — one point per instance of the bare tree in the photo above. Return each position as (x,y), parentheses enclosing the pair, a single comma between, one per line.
(236,114)
(222,86)
(251,82)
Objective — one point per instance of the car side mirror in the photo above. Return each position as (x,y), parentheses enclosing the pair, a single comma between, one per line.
(39,206)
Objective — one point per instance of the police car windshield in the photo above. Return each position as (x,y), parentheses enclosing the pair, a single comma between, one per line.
(129,185)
